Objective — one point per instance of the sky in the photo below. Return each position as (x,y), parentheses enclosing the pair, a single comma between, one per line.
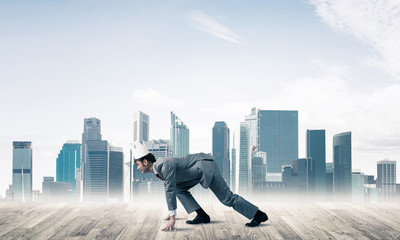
(335,61)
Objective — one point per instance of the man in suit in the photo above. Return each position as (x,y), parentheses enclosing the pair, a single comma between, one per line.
(181,174)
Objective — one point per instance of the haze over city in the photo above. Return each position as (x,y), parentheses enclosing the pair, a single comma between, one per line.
(336,62)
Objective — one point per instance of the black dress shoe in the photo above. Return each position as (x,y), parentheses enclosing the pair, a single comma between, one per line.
(258,218)
(199,219)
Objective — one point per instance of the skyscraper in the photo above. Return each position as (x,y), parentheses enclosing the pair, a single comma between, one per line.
(342,181)
(220,143)
(115,175)
(242,162)
(386,179)
(278,137)
(252,123)
(179,137)
(22,171)
(140,127)
(95,181)
(68,161)
(91,131)
(315,150)
(94,162)
(259,168)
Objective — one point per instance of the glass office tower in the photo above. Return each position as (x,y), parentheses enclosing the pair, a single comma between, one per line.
(220,143)
(242,175)
(179,137)
(315,150)
(386,179)
(342,180)
(140,127)
(22,171)
(115,175)
(278,137)
(68,162)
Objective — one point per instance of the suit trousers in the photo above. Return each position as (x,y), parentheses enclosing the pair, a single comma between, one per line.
(221,190)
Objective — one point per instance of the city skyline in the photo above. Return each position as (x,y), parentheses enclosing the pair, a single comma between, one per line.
(207,61)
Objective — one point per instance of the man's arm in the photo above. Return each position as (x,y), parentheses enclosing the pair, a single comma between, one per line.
(169,171)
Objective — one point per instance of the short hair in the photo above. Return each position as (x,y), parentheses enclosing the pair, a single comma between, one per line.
(149,157)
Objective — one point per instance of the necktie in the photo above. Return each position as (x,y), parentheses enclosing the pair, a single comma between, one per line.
(159,177)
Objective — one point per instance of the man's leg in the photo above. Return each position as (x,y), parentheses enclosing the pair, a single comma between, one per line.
(225,195)
(190,204)
(185,197)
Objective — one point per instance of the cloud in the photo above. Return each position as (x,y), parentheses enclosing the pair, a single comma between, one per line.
(377,23)
(150,97)
(209,25)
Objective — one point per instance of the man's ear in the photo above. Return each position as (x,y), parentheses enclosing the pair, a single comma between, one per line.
(145,162)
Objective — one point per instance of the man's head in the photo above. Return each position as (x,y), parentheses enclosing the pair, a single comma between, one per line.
(143,159)
(145,163)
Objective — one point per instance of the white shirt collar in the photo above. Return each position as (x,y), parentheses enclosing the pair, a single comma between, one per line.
(154,169)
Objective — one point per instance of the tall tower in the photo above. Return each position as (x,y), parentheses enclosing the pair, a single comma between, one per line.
(242,160)
(179,137)
(278,137)
(94,162)
(220,150)
(315,150)
(252,123)
(22,171)
(342,165)
(140,127)
(69,163)
(386,179)
(115,175)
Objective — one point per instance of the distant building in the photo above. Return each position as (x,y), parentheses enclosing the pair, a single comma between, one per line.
(369,179)
(95,181)
(91,132)
(241,161)
(342,180)
(22,171)
(358,191)
(386,179)
(303,174)
(140,127)
(179,137)
(56,191)
(258,168)
(115,175)
(220,150)
(315,150)
(252,123)
(278,137)
(68,163)
(329,180)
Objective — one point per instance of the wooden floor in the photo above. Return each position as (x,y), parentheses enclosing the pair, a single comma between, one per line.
(144,221)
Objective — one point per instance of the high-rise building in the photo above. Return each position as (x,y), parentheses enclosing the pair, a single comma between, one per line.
(342,166)
(68,162)
(91,131)
(258,168)
(252,123)
(56,191)
(115,173)
(357,186)
(242,161)
(303,173)
(386,179)
(22,171)
(179,137)
(220,150)
(315,150)
(95,181)
(329,180)
(140,127)
(278,137)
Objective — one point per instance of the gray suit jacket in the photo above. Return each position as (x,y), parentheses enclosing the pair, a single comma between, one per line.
(177,171)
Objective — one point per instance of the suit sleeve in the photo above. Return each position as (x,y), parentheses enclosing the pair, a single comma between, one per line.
(170,185)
